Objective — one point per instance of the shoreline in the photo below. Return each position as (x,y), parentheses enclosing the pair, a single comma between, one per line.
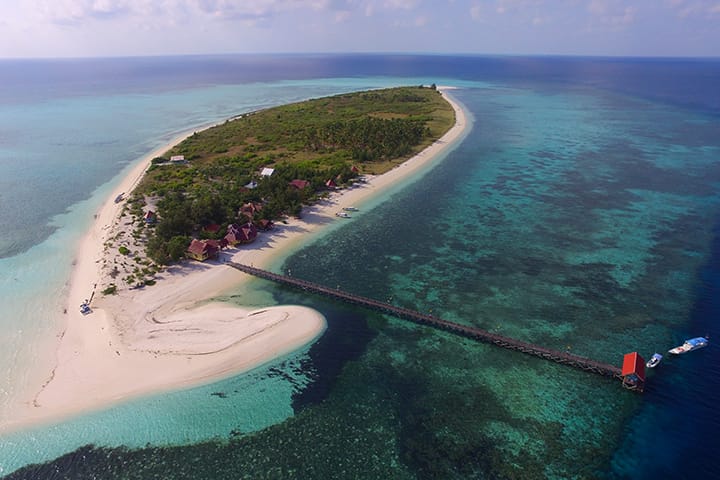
(161,331)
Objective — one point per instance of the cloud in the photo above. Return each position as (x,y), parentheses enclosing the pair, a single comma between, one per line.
(254,9)
(612,12)
(504,6)
(623,17)
(598,7)
(522,12)
(416,22)
(400,4)
(74,11)
(342,16)
(697,8)
(78,11)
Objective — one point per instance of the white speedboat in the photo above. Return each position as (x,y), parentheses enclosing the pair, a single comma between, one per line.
(342,215)
(690,345)
(350,209)
(654,360)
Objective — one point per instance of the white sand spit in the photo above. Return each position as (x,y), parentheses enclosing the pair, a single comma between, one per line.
(168,336)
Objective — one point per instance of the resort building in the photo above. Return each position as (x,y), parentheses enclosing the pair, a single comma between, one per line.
(219,244)
(203,249)
(211,228)
(237,234)
(299,184)
(249,210)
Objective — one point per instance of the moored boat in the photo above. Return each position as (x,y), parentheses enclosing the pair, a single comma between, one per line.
(342,215)
(350,209)
(690,345)
(654,360)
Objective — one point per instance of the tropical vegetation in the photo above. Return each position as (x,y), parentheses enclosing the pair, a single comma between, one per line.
(326,141)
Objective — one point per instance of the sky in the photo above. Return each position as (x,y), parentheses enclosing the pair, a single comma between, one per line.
(106,28)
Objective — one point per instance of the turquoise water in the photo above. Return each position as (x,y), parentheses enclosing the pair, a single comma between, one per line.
(579,213)
(63,157)
(551,223)
(229,408)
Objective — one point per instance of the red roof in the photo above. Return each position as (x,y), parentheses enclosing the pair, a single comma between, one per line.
(218,244)
(200,247)
(633,364)
(299,184)
(241,234)
(250,208)
(212,228)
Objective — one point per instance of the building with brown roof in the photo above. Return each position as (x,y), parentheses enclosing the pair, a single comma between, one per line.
(249,209)
(202,249)
(299,184)
(240,234)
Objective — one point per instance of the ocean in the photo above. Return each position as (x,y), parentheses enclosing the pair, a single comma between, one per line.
(581,212)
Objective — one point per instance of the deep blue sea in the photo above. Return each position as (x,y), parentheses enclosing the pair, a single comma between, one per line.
(581,211)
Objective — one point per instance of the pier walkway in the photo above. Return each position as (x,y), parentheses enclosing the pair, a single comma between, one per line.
(564,358)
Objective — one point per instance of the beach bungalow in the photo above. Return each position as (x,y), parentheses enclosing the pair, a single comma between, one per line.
(240,234)
(219,244)
(201,250)
(267,172)
(249,209)
(178,159)
(150,217)
(211,228)
(331,184)
(299,184)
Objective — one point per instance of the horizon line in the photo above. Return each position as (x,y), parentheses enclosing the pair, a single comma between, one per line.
(371,53)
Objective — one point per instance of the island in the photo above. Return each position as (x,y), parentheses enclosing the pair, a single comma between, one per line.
(141,318)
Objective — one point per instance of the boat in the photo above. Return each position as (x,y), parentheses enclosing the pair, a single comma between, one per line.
(342,215)
(654,360)
(690,345)
(350,209)
(120,198)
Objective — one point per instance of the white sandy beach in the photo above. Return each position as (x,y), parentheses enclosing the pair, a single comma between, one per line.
(169,336)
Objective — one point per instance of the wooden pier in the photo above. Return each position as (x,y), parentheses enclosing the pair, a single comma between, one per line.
(564,358)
